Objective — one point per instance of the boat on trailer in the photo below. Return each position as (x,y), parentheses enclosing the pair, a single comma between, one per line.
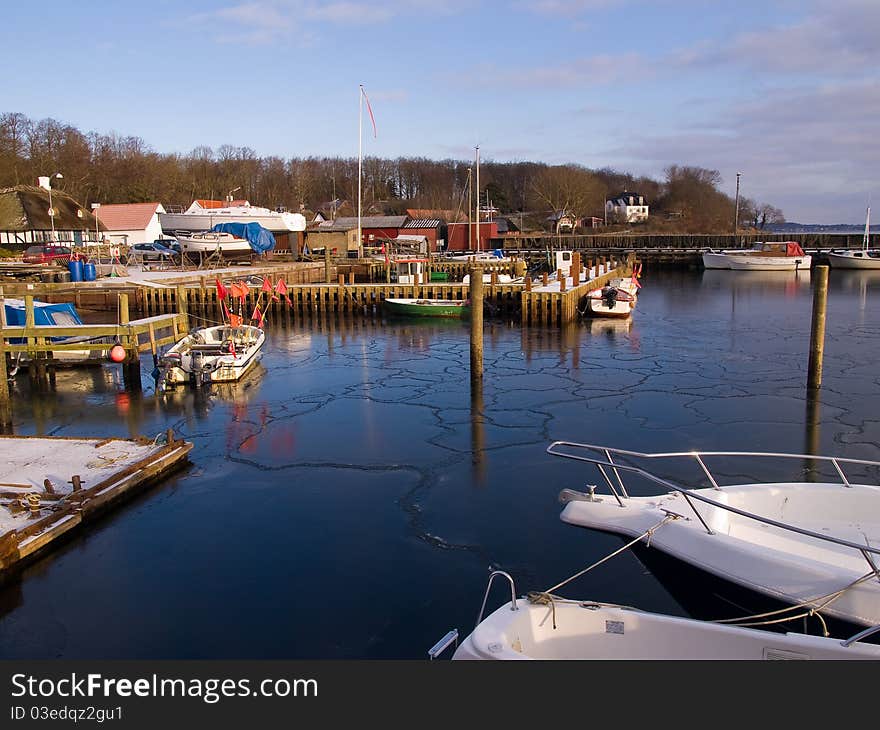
(218,354)
(546,626)
(809,544)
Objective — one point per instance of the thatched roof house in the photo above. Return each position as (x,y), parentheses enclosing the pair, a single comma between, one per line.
(24,217)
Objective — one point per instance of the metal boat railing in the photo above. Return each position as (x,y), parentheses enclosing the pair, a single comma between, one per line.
(688,493)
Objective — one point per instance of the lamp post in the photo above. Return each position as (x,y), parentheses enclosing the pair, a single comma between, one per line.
(736,208)
(51,209)
(95,207)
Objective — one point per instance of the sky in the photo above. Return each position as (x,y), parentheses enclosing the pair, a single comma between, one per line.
(785,92)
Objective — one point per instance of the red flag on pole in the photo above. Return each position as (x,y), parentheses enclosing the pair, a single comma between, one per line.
(370,110)
(281,289)
(267,286)
(257,315)
(221,290)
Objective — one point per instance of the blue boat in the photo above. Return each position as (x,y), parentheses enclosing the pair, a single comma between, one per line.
(62,314)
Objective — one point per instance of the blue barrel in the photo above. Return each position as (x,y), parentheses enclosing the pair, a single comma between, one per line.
(76,270)
(90,272)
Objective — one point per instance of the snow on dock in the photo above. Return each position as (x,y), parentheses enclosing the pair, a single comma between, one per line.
(49,486)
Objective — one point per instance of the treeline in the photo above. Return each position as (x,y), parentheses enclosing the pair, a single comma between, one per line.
(110,168)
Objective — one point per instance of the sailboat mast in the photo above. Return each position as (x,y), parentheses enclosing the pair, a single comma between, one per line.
(867,239)
(477,199)
(360,158)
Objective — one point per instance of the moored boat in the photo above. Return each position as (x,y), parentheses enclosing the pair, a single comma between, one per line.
(543,626)
(764,256)
(864,258)
(217,354)
(427,307)
(610,301)
(812,545)
(59,314)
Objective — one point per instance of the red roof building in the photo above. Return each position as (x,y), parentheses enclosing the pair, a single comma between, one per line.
(131,222)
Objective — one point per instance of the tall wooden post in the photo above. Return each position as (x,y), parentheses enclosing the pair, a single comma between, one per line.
(817,328)
(5,401)
(131,368)
(476,297)
(327,264)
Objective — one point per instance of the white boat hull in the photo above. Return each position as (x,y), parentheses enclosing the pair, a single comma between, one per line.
(201,357)
(854,260)
(205,220)
(583,630)
(210,243)
(755,262)
(785,565)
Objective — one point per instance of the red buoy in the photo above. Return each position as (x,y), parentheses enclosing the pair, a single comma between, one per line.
(117,353)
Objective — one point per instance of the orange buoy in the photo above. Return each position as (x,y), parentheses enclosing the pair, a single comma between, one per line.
(117,353)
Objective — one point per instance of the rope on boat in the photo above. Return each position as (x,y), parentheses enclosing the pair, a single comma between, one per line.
(547,597)
(813,610)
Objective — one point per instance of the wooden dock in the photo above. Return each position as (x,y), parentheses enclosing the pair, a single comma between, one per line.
(50,487)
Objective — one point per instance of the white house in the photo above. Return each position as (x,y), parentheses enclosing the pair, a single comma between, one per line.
(628,207)
(131,223)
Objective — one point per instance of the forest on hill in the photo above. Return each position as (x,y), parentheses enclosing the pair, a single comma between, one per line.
(111,168)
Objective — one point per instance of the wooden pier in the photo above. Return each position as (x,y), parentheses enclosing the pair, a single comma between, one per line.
(52,486)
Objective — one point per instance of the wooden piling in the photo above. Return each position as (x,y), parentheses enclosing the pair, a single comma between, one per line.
(5,401)
(817,328)
(327,264)
(476,297)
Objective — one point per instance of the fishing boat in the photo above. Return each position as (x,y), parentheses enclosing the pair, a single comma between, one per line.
(610,301)
(61,314)
(427,307)
(764,256)
(859,259)
(809,544)
(217,354)
(543,626)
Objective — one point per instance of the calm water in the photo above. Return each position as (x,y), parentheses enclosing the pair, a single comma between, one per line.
(347,499)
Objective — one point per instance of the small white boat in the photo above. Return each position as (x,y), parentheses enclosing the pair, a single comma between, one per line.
(610,301)
(764,256)
(812,544)
(859,259)
(216,354)
(487,278)
(208,243)
(556,628)
(480,257)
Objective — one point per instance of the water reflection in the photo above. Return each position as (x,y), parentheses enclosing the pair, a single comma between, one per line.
(478,435)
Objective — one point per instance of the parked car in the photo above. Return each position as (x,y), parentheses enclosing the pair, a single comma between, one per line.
(151,252)
(43,254)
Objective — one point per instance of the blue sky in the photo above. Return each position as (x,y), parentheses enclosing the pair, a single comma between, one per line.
(787,92)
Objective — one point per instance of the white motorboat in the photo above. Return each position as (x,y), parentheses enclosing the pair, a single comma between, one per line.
(202,215)
(610,301)
(213,243)
(218,354)
(543,626)
(764,256)
(812,544)
(864,258)
(480,257)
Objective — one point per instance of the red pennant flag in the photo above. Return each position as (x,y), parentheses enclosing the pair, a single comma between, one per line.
(235,320)
(257,315)
(370,110)
(267,285)
(221,290)
(281,288)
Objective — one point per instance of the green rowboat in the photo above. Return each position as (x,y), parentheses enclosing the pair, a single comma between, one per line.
(427,307)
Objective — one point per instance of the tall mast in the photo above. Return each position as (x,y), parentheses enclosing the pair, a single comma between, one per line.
(867,239)
(477,199)
(360,158)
